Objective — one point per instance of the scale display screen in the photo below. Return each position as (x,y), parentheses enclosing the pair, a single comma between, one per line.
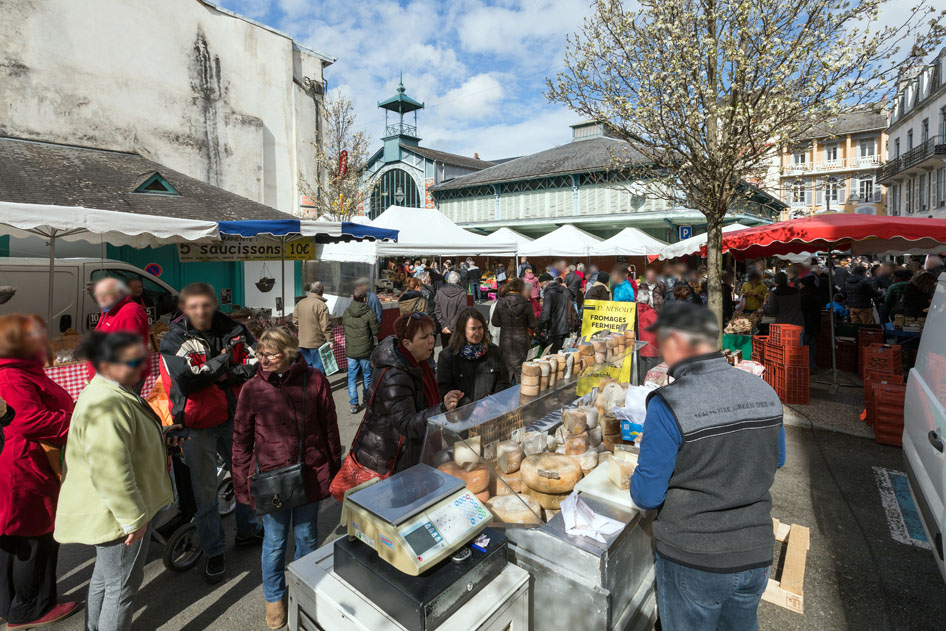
(420,540)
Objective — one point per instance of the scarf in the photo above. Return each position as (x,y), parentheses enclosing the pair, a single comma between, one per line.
(472,351)
(431,391)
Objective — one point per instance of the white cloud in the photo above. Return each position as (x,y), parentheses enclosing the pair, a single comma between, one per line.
(479,96)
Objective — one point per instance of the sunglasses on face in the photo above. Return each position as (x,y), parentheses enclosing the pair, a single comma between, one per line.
(134,363)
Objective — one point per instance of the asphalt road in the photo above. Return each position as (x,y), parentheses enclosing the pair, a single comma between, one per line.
(857,576)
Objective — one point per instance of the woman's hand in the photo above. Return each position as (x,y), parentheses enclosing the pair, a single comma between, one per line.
(178,436)
(451,399)
(136,536)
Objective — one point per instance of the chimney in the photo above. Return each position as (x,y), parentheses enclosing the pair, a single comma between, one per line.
(476,156)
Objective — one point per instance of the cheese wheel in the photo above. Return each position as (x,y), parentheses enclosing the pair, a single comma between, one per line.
(574,421)
(609,343)
(576,444)
(587,461)
(508,456)
(531,368)
(476,476)
(529,391)
(553,363)
(529,380)
(505,483)
(594,436)
(620,471)
(611,396)
(483,497)
(605,381)
(600,358)
(609,424)
(547,500)
(515,509)
(624,453)
(550,473)
(629,336)
(586,348)
(599,345)
(467,451)
(534,443)
(544,367)
(544,382)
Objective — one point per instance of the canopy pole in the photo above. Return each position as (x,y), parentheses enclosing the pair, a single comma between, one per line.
(282,254)
(52,277)
(834,361)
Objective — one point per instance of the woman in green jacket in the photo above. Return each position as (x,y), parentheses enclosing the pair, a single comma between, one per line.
(115,477)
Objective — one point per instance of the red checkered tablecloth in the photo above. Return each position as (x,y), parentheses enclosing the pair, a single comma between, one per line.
(74,377)
(338,347)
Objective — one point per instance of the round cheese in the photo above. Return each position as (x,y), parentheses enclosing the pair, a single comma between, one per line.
(547,500)
(600,358)
(505,483)
(529,380)
(576,444)
(587,461)
(508,456)
(483,497)
(529,391)
(467,452)
(515,509)
(544,367)
(599,345)
(574,421)
(594,436)
(591,416)
(543,382)
(531,368)
(476,476)
(585,348)
(550,473)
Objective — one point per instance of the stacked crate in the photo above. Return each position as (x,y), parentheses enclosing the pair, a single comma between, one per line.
(847,355)
(786,363)
(865,337)
(884,391)
(758,348)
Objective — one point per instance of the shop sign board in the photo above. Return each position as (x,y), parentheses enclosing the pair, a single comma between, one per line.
(254,249)
(609,316)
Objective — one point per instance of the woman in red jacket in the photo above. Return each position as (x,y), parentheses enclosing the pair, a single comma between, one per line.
(29,487)
(266,435)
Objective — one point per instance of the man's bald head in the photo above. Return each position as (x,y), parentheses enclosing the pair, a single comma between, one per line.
(109,291)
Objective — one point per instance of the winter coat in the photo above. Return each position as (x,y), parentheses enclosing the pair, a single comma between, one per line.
(514,317)
(412,301)
(28,486)
(811,308)
(598,291)
(266,429)
(430,295)
(533,280)
(915,302)
(785,305)
(116,473)
(448,303)
(436,280)
(311,318)
(573,284)
(858,292)
(474,275)
(191,371)
(654,294)
(555,306)
(476,378)
(623,292)
(374,302)
(125,316)
(397,410)
(361,330)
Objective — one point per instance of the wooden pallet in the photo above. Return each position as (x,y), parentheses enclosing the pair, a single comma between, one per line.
(789,591)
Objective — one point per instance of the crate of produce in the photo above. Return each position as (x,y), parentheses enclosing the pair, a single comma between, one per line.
(785,334)
(883,357)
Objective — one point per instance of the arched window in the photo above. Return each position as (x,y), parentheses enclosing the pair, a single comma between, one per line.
(395,188)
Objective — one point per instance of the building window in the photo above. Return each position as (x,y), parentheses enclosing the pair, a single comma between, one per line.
(893,200)
(800,156)
(866,148)
(865,189)
(925,129)
(896,148)
(942,124)
(395,188)
(908,197)
(941,187)
(833,188)
(798,193)
(831,152)
(924,193)
(909,139)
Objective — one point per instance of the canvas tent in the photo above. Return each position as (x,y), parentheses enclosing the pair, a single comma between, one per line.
(630,242)
(693,245)
(508,235)
(564,241)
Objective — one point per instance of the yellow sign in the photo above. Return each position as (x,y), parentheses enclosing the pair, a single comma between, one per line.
(609,316)
(253,249)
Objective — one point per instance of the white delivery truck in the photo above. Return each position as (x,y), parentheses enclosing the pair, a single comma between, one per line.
(73,305)
(924,428)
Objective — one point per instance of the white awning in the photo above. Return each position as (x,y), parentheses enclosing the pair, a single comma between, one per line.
(630,242)
(508,235)
(564,241)
(693,245)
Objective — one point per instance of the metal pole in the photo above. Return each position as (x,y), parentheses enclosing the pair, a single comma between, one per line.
(834,360)
(282,253)
(52,278)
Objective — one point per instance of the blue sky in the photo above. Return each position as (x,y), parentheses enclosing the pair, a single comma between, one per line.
(479,66)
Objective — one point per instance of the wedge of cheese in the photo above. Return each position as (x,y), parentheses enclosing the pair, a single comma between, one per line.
(476,477)
(509,456)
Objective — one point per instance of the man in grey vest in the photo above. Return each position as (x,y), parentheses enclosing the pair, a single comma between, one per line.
(713,439)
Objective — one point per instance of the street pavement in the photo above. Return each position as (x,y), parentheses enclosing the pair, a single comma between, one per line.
(857,575)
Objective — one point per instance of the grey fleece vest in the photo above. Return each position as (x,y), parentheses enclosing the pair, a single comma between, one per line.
(717,515)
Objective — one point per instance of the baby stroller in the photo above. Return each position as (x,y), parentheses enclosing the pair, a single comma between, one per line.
(174,526)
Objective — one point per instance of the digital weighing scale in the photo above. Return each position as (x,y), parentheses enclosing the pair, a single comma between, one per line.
(416,518)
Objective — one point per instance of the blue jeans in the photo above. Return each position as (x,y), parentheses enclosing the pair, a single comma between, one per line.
(276,540)
(694,600)
(354,367)
(477,292)
(312,357)
(200,454)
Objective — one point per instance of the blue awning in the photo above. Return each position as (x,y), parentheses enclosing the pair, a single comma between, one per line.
(252,228)
(323,231)
(362,231)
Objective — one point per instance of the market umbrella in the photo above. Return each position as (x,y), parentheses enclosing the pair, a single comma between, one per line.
(630,242)
(77,223)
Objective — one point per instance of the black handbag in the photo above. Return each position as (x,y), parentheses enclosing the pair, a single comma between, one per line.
(284,487)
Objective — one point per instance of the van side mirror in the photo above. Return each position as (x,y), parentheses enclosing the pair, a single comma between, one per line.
(65,323)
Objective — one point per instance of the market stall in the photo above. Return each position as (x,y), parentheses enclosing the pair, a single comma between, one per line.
(693,245)
(630,242)
(567,241)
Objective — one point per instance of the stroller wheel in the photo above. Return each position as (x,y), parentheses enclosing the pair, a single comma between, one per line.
(226,500)
(182,550)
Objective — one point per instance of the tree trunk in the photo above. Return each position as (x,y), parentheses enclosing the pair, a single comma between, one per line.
(714,268)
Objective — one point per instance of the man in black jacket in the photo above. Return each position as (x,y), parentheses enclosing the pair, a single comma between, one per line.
(859,294)
(556,301)
(573,284)
(448,303)
(473,277)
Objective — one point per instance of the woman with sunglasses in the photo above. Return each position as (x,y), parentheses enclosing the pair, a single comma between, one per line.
(404,396)
(284,401)
(116,477)
(29,480)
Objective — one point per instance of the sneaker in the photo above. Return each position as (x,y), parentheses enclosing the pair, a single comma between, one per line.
(243,541)
(57,613)
(276,615)
(354,408)
(215,569)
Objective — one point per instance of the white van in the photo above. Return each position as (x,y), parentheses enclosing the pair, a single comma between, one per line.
(73,305)
(924,428)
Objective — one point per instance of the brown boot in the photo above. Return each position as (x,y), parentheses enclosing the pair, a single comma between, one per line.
(276,614)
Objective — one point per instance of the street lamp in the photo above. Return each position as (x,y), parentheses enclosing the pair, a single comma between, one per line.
(399,195)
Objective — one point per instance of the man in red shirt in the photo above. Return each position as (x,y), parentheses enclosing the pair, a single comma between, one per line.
(119,312)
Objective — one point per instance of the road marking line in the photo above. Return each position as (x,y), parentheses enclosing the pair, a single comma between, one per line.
(902,517)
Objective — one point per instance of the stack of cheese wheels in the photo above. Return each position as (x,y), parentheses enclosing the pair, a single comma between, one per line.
(629,338)
(544,369)
(549,478)
(529,379)
(601,350)
(475,476)
(562,361)
(515,509)
(609,345)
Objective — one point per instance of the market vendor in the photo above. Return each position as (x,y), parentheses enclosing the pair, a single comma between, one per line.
(471,363)
(712,442)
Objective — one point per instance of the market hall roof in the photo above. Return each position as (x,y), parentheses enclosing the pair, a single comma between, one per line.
(34,172)
(579,156)
(448,158)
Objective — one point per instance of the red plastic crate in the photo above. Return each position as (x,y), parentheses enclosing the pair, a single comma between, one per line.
(865,337)
(758,345)
(785,334)
(796,356)
(878,378)
(774,353)
(883,357)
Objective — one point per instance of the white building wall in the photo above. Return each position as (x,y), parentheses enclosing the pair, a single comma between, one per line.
(199,90)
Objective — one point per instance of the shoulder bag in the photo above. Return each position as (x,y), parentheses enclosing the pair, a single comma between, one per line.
(284,487)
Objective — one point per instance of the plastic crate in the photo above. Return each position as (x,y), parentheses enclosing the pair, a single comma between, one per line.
(795,387)
(774,354)
(758,345)
(797,356)
(883,357)
(878,378)
(785,334)
(847,355)
(867,336)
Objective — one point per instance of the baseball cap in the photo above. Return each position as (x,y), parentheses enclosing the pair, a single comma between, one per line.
(686,317)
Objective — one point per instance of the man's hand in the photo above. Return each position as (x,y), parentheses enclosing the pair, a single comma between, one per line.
(451,399)
(136,536)
(173,441)
(445,330)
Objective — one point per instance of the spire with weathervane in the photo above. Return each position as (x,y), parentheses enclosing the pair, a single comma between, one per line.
(401,104)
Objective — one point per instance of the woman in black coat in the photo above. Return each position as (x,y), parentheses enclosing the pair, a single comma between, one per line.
(811,308)
(514,317)
(405,395)
(471,364)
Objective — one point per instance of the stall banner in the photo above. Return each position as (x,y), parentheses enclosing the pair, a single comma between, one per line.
(608,315)
(253,249)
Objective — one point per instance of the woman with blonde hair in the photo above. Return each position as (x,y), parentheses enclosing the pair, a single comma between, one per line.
(285,418)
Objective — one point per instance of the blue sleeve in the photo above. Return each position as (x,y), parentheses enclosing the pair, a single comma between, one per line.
(781,447)
(658,456)
(375,303)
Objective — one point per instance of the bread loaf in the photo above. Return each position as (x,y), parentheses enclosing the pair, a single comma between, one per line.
(476,476)
(508,456)
(550,473)
(546,500)
(515,509)
(574,421)
(620,471)
(467,451)
(576,443)
(531,368)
